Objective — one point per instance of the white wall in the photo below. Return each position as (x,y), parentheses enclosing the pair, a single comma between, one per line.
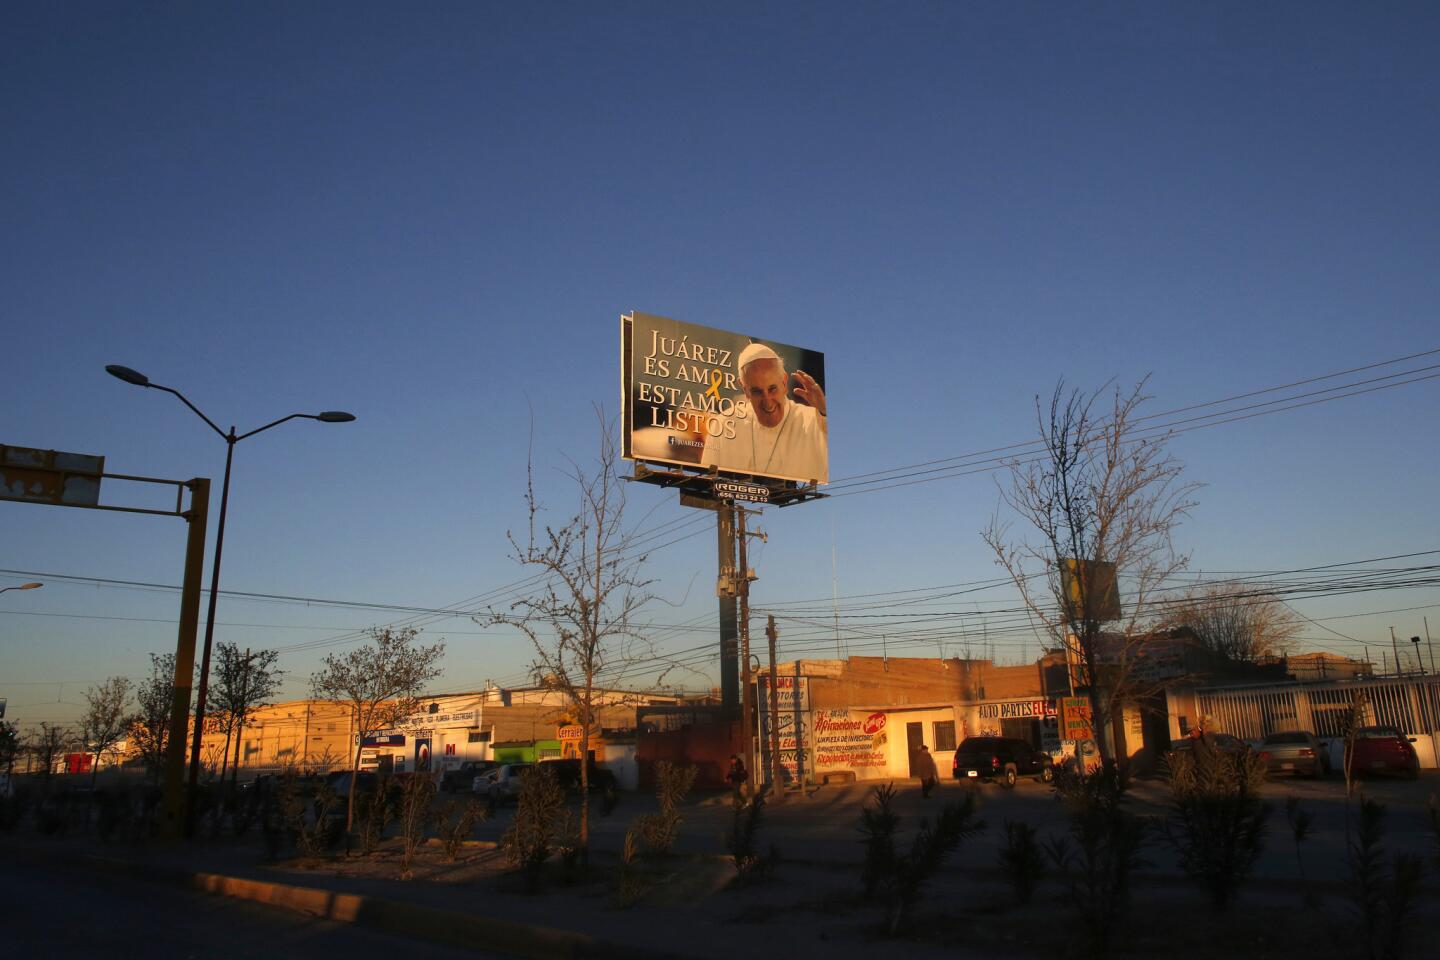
(619,759)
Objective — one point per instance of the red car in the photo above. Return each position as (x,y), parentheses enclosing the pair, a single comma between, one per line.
(1382,750)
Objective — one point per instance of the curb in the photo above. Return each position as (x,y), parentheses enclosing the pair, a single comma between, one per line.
(515,939)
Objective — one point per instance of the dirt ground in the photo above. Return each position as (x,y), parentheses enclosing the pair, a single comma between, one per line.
(693,906)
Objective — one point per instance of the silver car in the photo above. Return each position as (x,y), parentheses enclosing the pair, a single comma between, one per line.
(1296,752)
(501,784)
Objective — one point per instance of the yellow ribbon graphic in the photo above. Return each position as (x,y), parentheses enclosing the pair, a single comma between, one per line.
(715,378)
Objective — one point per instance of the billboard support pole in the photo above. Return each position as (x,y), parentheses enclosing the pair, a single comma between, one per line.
(726,589)
(746,724)
(777,790)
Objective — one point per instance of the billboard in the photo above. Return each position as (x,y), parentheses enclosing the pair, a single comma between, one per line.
(50,476)
(1102,597)
(695,396)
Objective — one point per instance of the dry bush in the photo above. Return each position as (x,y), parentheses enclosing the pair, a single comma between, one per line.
(1217,819)
(658,831)
(417,796)
(458,822)
(534,831)
(1100,854)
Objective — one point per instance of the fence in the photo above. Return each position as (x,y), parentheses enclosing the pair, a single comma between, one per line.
(1410,704)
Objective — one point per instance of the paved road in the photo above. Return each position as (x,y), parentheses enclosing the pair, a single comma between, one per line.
(74,915)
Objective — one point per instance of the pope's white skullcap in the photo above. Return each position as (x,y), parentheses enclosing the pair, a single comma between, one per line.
(755,351)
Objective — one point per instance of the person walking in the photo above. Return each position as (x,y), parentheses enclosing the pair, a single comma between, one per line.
(738,777)
(925,769)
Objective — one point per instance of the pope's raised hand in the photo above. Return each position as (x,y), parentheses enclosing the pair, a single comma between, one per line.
(809,391)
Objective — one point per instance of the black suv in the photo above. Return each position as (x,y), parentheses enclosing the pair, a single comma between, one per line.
(1003,759)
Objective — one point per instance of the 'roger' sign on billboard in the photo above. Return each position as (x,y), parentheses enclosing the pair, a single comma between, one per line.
(696,396)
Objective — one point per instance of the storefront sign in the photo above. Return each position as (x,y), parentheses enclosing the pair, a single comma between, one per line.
(463,718)
(846,741)
(1075,723)
(796,741)
(786,692)
(1037,709)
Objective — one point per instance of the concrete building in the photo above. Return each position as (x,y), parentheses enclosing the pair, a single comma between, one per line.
(446,731)
(864,717)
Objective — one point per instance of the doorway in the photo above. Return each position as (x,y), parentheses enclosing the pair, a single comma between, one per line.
(914,739)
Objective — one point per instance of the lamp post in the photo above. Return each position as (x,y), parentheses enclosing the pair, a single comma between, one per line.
(23,586)
(329,416)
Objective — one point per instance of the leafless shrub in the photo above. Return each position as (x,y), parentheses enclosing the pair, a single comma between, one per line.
(631,880)
(417,795)
(313,818)
(659,830)
(459,821)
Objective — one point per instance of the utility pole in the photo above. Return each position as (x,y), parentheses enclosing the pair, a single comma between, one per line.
(1428,645)
(726,591)
(746,721)
(1396,647)
(777,790)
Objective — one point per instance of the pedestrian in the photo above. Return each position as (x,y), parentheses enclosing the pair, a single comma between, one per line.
(926,771)
(737,776)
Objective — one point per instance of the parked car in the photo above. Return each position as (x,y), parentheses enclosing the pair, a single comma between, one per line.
(1382,750)
(1222,742)
(1003,759)
(1296,752)
(463,776)
(501,784)
(339,781)
(567,774)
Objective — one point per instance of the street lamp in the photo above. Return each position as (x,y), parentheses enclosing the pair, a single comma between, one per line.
(329,416)
(23,586)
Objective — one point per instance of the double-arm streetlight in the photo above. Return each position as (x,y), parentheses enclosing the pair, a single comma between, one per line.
(231,438)
(23,586)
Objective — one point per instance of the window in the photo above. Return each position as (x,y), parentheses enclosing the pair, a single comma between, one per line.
(945,735)
(479,736)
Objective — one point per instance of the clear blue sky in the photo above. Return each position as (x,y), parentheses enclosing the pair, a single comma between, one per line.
(433,217)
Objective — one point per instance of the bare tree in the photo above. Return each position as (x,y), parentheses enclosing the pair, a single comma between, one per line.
(244,682)
(47,743)
(149,729)
(9,746)
(580,620)
(380,682)
(1234,624)
(104,721)
(1101,490)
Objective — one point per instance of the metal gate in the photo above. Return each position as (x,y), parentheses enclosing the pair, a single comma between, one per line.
(1412,705)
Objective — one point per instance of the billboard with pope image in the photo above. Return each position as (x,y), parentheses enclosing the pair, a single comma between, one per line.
(695,396)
